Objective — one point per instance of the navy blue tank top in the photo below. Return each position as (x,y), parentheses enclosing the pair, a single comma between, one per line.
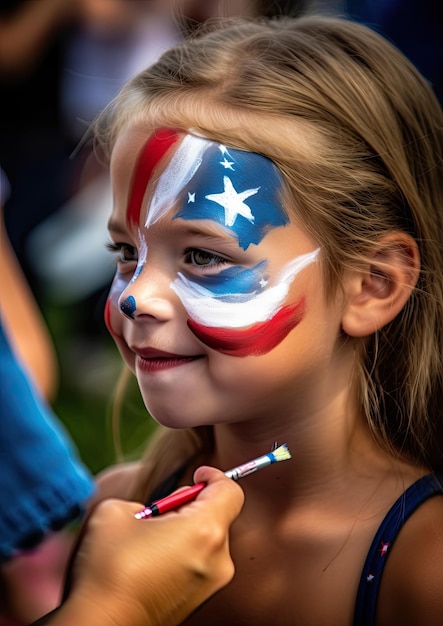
(401,510)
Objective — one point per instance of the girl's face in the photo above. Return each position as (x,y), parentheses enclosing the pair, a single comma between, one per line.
(217,304)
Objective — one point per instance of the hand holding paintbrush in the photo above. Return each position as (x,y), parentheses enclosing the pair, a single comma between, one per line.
(178,498)
(121,570)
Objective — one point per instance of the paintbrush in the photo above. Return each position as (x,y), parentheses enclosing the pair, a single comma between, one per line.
(175,500)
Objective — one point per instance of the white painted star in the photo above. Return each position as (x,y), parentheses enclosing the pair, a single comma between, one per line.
(263,282)
(232,202)
(191,197)
(370,578)
(227,164)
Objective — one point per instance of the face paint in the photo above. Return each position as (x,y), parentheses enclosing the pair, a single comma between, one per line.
(180,170)
(234,284)
(234,311)
(254,341)
(237,189)
(152,153)
(128,306)
(210,309)
(115,301)
(119,284)
(259,318)
(107,316)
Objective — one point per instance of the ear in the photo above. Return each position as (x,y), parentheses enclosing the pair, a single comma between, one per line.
(378,292)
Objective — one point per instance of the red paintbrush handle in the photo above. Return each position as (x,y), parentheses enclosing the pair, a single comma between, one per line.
(175,500)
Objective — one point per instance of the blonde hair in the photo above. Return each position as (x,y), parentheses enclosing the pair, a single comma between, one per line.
(357,133)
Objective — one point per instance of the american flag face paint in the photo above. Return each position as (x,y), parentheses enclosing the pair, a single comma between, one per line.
(241,322)
(116,298)
(150,156)
(237,309)
(119,284)
(239,190)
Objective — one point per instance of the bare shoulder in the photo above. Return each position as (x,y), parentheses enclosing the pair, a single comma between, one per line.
(411,592)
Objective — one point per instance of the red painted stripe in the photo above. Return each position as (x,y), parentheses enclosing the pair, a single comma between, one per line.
(150,156)
(108,322)
(107,316)
(255,340)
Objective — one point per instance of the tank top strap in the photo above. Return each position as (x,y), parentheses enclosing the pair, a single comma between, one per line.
(369,586)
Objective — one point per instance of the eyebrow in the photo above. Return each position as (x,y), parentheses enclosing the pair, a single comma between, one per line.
(207,230)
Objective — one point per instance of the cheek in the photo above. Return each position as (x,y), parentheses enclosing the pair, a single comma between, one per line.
(256,340)
(113,315)
(251,327)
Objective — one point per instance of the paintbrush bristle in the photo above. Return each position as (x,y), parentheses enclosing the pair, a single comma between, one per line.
(282,453)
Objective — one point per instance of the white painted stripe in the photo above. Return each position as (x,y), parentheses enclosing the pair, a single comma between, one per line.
(183,165)
(206,308)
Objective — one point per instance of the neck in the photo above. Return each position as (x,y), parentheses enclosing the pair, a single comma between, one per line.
(331,449)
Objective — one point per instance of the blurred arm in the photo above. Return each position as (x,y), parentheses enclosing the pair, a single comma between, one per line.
(24,322)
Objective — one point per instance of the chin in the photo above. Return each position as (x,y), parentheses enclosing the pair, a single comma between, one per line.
(170,417)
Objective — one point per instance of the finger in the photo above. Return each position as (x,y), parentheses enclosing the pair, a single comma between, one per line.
(224,494)
(207,474)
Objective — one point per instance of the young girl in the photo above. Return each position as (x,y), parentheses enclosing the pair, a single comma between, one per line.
(277,221)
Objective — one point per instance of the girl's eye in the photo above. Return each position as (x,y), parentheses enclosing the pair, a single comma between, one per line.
(125,253)
(203,258)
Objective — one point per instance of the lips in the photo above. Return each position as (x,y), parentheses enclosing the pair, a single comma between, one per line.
(151,360)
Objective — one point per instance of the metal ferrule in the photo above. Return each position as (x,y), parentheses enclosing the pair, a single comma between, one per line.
(252,466)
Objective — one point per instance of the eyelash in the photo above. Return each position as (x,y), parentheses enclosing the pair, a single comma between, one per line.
(118,249)
(215,259)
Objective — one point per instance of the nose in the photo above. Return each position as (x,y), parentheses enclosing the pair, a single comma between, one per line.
(148,296)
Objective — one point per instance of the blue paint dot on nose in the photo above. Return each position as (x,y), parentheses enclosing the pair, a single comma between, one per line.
(127,306)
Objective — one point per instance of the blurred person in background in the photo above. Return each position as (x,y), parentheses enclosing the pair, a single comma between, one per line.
(34,146)
(414,26)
